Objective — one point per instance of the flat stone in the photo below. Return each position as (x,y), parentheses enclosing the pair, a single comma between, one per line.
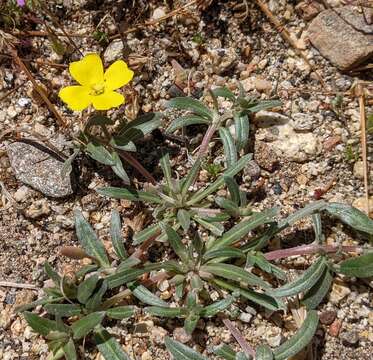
(37,166)
(342,37)
(114,51)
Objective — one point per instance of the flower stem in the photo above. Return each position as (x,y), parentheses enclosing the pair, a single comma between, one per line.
(206,140)
(309,249)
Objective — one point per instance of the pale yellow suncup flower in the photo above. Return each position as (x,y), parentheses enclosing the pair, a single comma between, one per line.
(96,87)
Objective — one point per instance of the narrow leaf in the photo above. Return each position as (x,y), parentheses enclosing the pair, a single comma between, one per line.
(99,153)
(190,323)
(224,92)
(226,352)
(129,194)
(69,350)
(63,310)
(187,103)
(224,252)
(141,126)
(165,311)
(147,297)
(242,128)
(183,216)
(361,266)
(121,312)
(40,325)
(116,235)
(176,243)
(146,234)
(230,150)
(234,190)
(191,177)
(182,352)
(265,105)
(263,352)
(89,241)
(187,120)
(166,168)
(216,307)
(303,282)
(215,227)
(302,338)
(86,288)
(119,169)
(52,274)
(86,324)
(108,346)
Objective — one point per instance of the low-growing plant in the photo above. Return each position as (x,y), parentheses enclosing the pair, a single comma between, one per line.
(177,205)
(217,119)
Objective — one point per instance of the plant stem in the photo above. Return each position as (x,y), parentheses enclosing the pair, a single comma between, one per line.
(206,140)
(309,249)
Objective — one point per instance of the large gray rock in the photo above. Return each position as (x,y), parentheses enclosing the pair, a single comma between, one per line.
(40,168)
(343,36)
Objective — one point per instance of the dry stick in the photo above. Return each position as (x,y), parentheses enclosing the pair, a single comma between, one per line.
(38,61)
(10,92)
(309,249)
(40,91)
(286,36)
(239,338)
(360,93)
(18,285)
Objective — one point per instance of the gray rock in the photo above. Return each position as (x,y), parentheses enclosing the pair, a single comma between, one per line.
(37,166)
(337,37)
(350,338)
(245,317)
(114,51)
(303,122)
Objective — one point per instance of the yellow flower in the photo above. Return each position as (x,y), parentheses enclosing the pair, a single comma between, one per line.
(96,87)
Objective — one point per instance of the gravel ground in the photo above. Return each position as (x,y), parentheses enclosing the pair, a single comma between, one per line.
(312,151)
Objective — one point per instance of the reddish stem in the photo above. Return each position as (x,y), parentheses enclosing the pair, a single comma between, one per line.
(206,140)
(239,338)
(132,161)
(309,249)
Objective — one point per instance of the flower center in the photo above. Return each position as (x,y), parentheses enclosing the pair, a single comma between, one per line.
(97,89)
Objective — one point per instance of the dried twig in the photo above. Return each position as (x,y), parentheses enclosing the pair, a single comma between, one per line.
(52,109)
(239,338)
(360,93)
(18,285)
(286,36)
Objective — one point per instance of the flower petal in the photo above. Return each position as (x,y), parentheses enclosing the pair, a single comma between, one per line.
(107,100)
(88,71)
(76,97)
(117,75)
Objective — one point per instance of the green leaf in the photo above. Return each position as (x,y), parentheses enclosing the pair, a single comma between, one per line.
(119,169)
(53,275)
(86,324)
(225,351)
(224,252)
(165,311)
(124,276)
(146,234)
(128,263)
(147,297)
(34,304)
(235,273)
(242,129)
(303,282)
(314,296)
(242,356)
(261,262)
(183,216)
(89,241)
(351,216)
(228,205)
(264,105)
(302,213)
(263,352)
(191,177)
(187,103)
(85,270)
(122,143)
(238,231)
(264,300)
(116,235)
(129,194)
(63,310)
(230,150)
(86,288)
(67,167)
(317,227)
(215,227)
(99,120)
(69,350)
(141,126)
(361,266)
(216,307)
(201,194)
(234,190)
(182,352)
(94,302)
(224,92)
(99,153)
(190,323)
(176,243)
(166,168)
(187,120)
(108,346)
(301,339)
(40,325)
(121,312)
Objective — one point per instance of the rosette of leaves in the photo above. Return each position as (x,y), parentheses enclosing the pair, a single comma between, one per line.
(217,119)
(110,148)
(77,305)
(177,205)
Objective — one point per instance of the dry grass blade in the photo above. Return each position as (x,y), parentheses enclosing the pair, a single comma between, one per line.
(18,285)
(52,109)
